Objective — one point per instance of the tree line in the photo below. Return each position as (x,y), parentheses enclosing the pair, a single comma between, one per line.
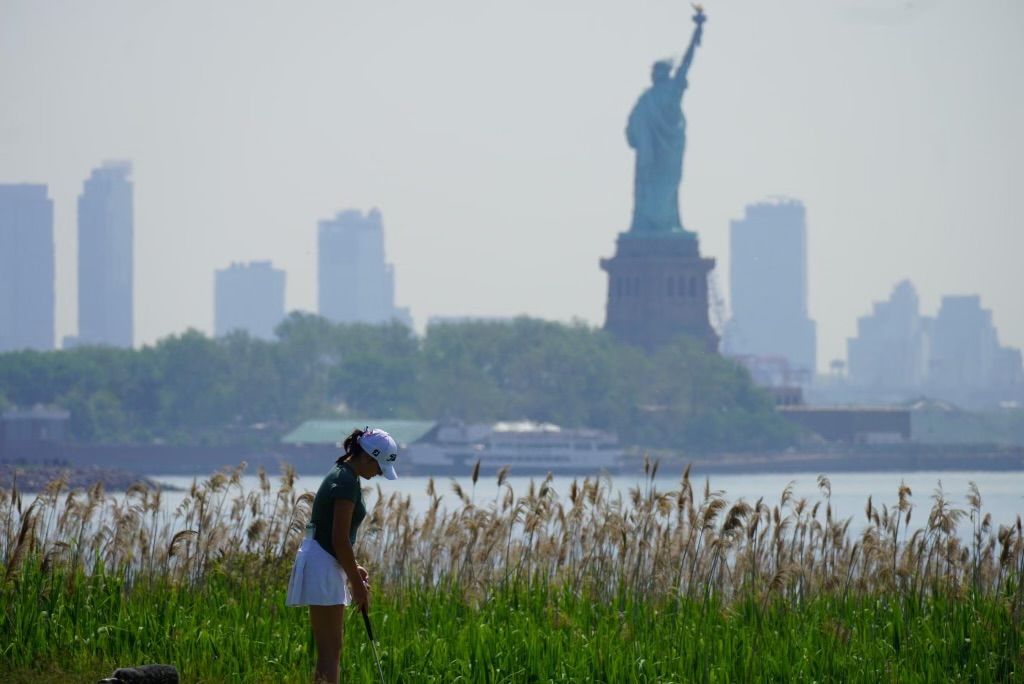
(190,388)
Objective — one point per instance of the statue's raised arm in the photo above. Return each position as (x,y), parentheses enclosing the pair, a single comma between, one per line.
(698,18)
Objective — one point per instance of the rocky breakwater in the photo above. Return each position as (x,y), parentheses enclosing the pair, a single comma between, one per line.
(35,478)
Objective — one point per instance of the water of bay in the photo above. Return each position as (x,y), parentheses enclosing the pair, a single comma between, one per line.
(1002,493)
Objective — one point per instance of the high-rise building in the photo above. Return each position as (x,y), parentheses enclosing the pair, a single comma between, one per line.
(26,268)
(891,346)
(768,286)
(964,344)
(105,257)
(355,284)
(1008,368)
(249,297)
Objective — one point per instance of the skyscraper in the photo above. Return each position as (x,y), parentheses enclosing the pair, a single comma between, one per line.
(768,285)
(964,344)
(890,350)
(26,268)
(355,284)
(105,257)
(249,297)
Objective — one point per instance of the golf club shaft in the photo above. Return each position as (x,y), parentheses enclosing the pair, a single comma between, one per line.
(373,644)
(366,621)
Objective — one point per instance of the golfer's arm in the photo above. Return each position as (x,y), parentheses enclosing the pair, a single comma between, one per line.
(339,538)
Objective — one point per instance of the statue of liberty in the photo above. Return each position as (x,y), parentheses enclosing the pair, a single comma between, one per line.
(657,131)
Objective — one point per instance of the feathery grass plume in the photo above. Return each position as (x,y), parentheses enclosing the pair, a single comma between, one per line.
(25,537)
(736,516)
(509,499)
(778,582)
(457,488)
(825,485)
(182,538)
(973,496)
(593,542)
(904,494)
(944,517)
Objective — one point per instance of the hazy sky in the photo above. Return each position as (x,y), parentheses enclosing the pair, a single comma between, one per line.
(490,135)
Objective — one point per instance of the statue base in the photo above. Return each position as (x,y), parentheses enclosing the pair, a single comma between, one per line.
(658,290)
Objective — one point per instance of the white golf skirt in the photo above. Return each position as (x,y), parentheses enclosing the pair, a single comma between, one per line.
(317,579)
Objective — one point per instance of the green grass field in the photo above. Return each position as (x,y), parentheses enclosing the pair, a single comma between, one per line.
(655,587)
(69,627)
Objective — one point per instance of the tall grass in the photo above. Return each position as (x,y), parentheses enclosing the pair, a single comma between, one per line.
(676,585)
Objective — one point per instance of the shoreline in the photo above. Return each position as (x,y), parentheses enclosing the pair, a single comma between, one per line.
(832,459)
(118,467)
(864,459)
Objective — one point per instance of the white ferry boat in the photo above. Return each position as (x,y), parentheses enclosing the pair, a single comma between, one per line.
(527,448)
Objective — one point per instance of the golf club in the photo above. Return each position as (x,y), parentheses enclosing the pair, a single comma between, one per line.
(373,644)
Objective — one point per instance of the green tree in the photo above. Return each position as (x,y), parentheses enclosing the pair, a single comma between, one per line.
(254,380)
(193,388)
(194,382)
(375,369)
(304,359)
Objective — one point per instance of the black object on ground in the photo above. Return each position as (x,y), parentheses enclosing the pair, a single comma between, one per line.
(145,674)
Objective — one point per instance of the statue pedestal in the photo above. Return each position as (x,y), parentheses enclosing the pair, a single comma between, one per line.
(658,290)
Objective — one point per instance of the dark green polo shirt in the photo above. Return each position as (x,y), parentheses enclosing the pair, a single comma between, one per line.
(341,483)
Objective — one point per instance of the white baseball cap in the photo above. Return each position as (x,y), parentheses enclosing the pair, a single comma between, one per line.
(382,447)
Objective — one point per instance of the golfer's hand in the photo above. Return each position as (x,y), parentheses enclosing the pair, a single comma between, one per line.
(360,596)
(363,575)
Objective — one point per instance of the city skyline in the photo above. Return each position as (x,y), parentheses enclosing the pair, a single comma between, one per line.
(356,236)
(906,165)
(901,354)
(351,250)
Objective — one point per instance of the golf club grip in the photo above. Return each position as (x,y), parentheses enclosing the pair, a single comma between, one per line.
(366,621)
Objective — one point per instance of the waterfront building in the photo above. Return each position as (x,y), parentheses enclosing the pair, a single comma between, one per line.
(26,268)
(768,286)
(891,346)
(355,284)
(248,297)
(105,257)
(22,431)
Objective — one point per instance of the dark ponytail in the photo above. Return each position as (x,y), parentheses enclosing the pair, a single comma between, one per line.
(351,446)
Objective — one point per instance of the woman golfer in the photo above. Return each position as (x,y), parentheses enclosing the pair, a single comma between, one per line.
(326,560)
